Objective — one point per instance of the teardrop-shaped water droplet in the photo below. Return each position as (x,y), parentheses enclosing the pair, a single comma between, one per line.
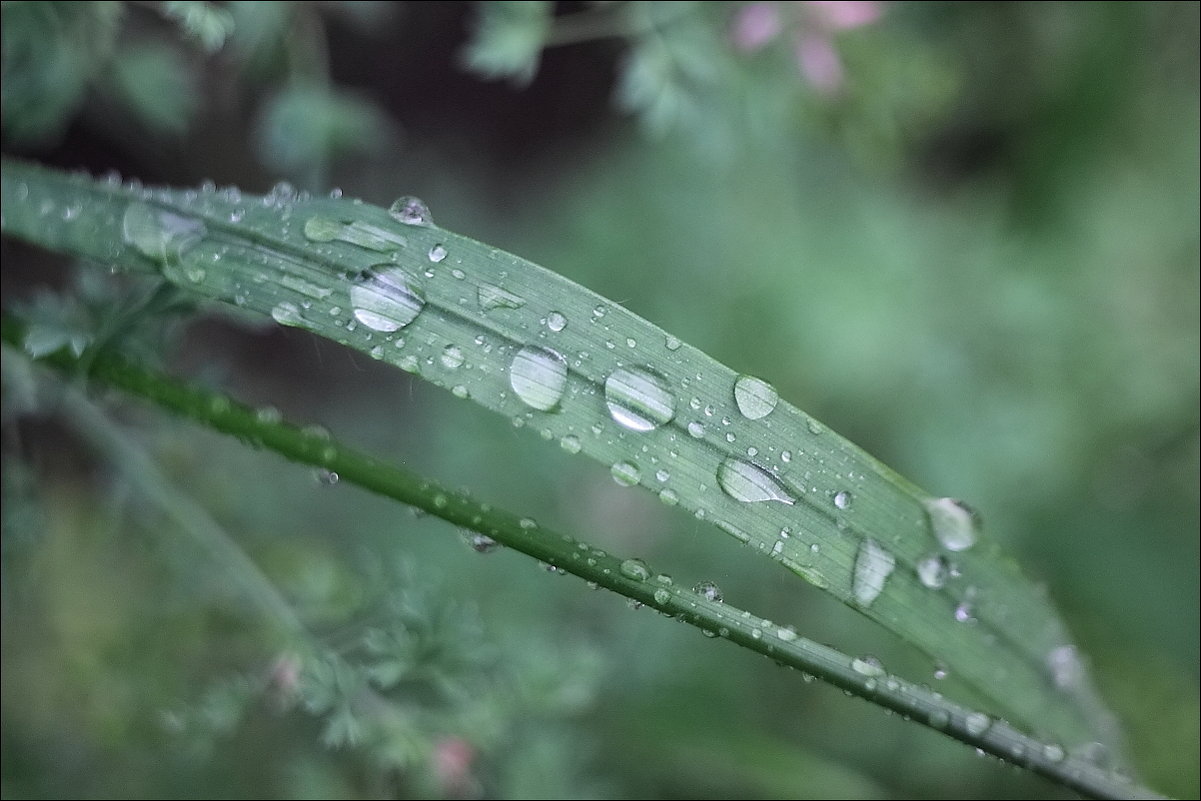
(386,298)
(755,397)
(626,474)
(635,569)
(747,482)
(555,321)
(409,210)
(638,398)
(868,666)
(452,357)
(955,524)
(495,297)
(286,313)
(873,565)
(538,376)
(437,253)
(696,429)
(933,571)
(708,590)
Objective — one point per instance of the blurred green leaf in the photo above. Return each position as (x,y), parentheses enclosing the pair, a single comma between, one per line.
(153,83)
(508,39)
(303,126)
(207,23)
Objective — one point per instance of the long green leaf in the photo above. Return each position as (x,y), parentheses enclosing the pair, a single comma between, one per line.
(557,358)
(701,606)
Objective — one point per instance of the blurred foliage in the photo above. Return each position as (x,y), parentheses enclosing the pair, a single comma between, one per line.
(965,235)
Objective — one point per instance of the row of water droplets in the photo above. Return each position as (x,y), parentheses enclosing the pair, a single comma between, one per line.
(386,298)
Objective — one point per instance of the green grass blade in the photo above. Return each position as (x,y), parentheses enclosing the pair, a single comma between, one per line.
(557,358)
(628,577)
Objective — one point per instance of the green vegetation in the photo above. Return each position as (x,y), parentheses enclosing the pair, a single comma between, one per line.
(328,617)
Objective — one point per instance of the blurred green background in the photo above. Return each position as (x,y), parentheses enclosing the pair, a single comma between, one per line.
(963,235)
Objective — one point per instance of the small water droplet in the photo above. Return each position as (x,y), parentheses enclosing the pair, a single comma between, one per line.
(696,429)
(669,497)
(868,666)
(480,543)
(159,235)
(977,723)
(324,477)
(932,571)
(708,590)
(786,633)
(599,311)
(538,376)
(939,718)
(555,321)
(437,253)
(626,474)
(494,297)
(638,398)
(409,210)
(755,397)
(460,391)
(785,456)
(1053,752)
(281,194)
(528,523)
(747,482)
(570,443)
(842,499)
(386,298)
(963,612)
(814,427)
(672,343)
(452,357)
(1065,666)
(955,524)
(635,569)
(873,565)
(662,597)
(940,671)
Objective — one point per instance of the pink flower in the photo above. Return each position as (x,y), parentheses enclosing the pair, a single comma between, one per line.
(841,15)
(452,760)
(755,25)
(819,62)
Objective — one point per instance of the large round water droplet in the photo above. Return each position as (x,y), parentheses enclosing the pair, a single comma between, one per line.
(755,397)
(538,376)
(626,474)
(955,524)
(555,321)
(437,253)
(410,210)
(635,569)
(747,482)
(873,565)
(638,398)
(386,298)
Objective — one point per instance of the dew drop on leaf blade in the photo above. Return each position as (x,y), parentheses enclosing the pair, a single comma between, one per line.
(539,377)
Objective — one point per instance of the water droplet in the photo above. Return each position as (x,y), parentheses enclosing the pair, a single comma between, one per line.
(747,482)
(281,194)
(386,298)
(555,321)
(409,210)
(159,235)
(939,718)
(755,397)
(708,590)
(1053,752)
(480,543)
(669,497)
(1065,667)
(672,343)
(286,313)
(785,456)
(662,597)
(452,357)
(437,253)
(842,499)
(955,524)
(538,376)
(635,569)
(626,474)
(570,443)
(460,391)
(638,398)
(786,633)
(940,671)
(696,429)
(814,427)
(354,232)
(599,311)
(932,571)
(324,477)
(963,612)
(868,666)
(495,297)
(977,723)
(873,565)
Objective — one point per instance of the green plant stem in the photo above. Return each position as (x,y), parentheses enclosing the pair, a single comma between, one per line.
(625,577)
